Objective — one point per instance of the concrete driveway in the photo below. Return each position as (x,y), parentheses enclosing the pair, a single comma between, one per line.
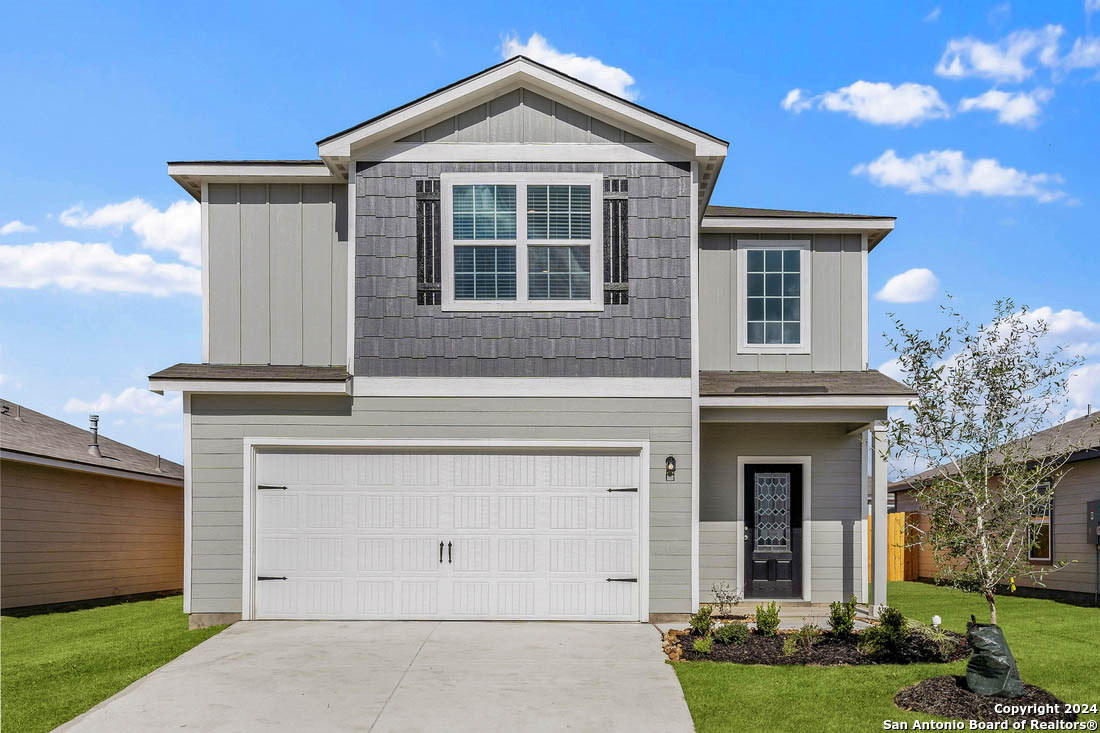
(406,676)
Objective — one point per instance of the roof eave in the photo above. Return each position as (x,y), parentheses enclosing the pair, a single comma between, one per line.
(875,229)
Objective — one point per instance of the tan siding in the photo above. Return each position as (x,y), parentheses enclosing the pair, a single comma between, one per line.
(68,535)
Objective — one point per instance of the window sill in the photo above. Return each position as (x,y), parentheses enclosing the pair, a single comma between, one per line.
(780,349)
(1040,562)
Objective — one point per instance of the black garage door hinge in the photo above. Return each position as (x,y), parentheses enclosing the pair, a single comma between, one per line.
(622,580)
(635,491)
(270,577)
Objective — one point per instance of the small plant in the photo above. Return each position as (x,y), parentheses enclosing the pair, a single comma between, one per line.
(726,597)
(702,645)
(871,642)
(790,645)
(842,617)
(943,644)
(767,619)
(893,624)
(731,634)
(701,622)
(807,635)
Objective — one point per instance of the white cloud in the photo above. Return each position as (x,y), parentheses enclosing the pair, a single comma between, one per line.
(176,229)
(16,227)
(132,400)
(586,68)
(1092,6)
(892,369)
(796,101)
(1083,390)
(879,103)
(92,267)
(1066,324)
(1008,59)
(1018,108)
(912,286)
(1084,54)
(933,15)
(949,171)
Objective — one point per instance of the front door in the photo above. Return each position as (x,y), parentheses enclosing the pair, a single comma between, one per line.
(773,530)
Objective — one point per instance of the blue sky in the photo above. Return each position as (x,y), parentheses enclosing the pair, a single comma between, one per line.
(975,124)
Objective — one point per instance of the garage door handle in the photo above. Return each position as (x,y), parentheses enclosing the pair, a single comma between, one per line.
(448,552)
(440,552)
(633,491)
(263,487)
(270,577)
(622,580)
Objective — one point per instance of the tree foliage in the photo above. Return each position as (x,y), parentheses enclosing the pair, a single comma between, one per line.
(982,393)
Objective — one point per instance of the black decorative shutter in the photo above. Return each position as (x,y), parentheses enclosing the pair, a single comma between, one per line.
(616,257)
(429,242)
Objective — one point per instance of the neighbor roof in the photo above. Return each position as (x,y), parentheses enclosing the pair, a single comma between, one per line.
(24,432)
(1080,437)
(736,384)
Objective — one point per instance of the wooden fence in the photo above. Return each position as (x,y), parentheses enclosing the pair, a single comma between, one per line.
(902,563)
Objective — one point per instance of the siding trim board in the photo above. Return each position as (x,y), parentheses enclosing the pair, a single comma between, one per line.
(252,446)
(521,387)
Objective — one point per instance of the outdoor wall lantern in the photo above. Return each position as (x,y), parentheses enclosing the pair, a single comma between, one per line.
(670,468)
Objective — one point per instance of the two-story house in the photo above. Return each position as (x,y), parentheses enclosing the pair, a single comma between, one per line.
(494,355)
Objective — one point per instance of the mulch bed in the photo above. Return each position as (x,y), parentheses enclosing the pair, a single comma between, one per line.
(827,651)
(948,696)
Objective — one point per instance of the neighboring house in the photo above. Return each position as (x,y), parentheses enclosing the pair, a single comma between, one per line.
(1063,534)
(494,355)
(83,516)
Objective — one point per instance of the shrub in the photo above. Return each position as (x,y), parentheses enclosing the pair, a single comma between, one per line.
(807,635)
(893,624)
(701,622)
(790,645)
(871,641)
(767,619)
(942,644)
(726,597)
(701,645)
(731,634)
(842,617)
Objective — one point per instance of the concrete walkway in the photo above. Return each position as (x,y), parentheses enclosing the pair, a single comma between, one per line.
(440,677)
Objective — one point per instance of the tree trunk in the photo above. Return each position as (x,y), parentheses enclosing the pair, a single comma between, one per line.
(992,606)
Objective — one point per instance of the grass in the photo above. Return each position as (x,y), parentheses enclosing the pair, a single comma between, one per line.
(55,666)
(1054,645)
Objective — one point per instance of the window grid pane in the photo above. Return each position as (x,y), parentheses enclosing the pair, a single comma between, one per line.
(484,212)
(559,212)
(773,296)
(485,273)
(558,273)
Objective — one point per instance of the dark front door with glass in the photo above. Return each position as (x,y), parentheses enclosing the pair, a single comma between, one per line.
(773,530)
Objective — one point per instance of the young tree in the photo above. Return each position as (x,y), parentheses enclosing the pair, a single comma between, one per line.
(982,392)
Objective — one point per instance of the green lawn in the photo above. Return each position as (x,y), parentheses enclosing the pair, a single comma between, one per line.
(55,666)
(1055,646)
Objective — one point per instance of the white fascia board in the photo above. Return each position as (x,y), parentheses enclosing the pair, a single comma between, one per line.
(209,386)
(520,387)
(499,80)
(8,455)
(755,224)
(245,171)
(808,401)
(527,152)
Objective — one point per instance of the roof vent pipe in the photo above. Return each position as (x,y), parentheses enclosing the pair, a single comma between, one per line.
(93,447)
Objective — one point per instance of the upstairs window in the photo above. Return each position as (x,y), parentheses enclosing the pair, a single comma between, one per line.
(773,291)
(497,257)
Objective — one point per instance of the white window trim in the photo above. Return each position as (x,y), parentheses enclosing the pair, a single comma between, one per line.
(806,296)
(1049,522)
(522,302)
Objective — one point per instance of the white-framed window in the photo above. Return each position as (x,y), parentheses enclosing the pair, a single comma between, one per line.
(522,241)
(1042,514)
(773,296)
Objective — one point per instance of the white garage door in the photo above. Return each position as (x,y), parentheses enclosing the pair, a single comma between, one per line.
(463,536)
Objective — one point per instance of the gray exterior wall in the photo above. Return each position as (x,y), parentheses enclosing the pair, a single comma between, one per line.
(837,497)
(649,337)
(521,116)
(836,312)
(220,422)
(278,273)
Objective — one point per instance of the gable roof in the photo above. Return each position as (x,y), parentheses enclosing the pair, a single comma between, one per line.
(26,434)
(1079,437)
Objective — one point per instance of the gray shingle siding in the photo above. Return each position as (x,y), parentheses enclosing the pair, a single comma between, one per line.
(649,337)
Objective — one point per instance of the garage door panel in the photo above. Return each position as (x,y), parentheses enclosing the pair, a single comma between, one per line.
(530,536)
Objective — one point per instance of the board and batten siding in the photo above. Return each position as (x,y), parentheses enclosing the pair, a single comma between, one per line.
(219,423)
(836,310)
(648,337)
(837,499)
(70,536)
(277,263)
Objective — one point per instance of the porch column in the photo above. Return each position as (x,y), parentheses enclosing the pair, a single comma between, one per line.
(878,516)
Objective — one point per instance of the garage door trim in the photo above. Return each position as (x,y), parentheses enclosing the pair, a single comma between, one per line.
(254,445)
